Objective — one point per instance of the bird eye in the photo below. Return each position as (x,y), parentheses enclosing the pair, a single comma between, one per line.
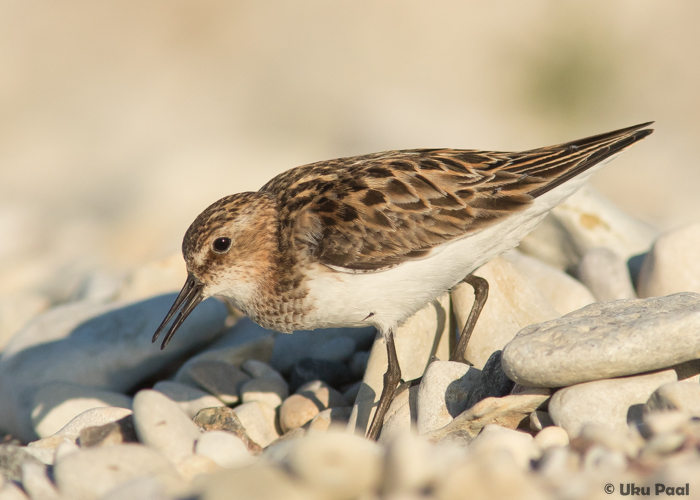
(221,245)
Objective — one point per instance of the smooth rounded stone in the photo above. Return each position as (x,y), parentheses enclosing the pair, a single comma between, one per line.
(424,335)
(443,393)
(258,419)
(604,340)
(258,369)
(402,415)
(11,459)
(225,419)
(339,465)
(681,396)
(163,426)
(626,441)
(279,448)
(610,403)
(493,383)
(121,431)
(270,391)
(334,373)
(585,221)
(557,462)
(508,412)
(65,448)
(16,310)
(224,448)
(10,491)
(105,346)
(336,417)
(663,444)
(494,437)
(259,481)
(310,400)
(189,399)
(606,275)
(57,403)
(144,488)
(663,422)
(36,483)
(219,378)
(563,292)
(604,459)
(514,302)
(289,349)
(90,474)
(551,436)
(539,420)
(358,363)
(154,278)
(672,265)
(336,349)
(44,455)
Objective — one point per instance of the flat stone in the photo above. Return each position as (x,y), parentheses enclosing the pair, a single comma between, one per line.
(310,400)
(672,265)
(336,417)
(107,346)
(258,419)
(611,403)
(258,369)
(514,302)
(218,378)
(11,459)
(443,393)
(121,431)
(334,373)
(57,403)
(163,426)
(336,349)
(606,340)
(493,383)
(224,448)
(225,419)
(270,391)
(507,412)
(679,396)
(423,336)
(89,418)
(563,292)
(551,436)
(606,274)
(92,473)
(190,399)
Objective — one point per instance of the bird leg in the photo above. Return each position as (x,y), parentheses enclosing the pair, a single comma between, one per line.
(391,379)
(481,293)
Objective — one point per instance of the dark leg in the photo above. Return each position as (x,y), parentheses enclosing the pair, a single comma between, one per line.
(391,379)
(481,293)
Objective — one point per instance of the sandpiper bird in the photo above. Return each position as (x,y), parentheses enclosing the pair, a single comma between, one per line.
(370,240)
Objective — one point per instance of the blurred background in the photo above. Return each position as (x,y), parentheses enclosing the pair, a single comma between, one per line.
(121,120)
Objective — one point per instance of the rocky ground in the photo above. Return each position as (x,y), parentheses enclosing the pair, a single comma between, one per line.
(584,383)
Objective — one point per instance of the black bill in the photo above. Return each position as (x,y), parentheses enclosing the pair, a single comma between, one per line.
(186,301)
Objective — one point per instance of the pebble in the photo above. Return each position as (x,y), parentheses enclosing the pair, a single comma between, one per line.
(11,459)
(218,378)
(106,346)
(604,459)
(671,265)
(258,369)
(10,491)
(65,448)
(493,382)
(402,416)
(121,431)
(195,466)
(258,419)
(610,403)
(336,349)
(606,274)
(224,448)
(225,419)
(494,437)
(190,399)
(163,426)
(36,483)
(310,400)
(358,363)
(340,466)
(330,417)
(422,336)
(563,292)
(680,396)
(443,393)
(539,420)
(514,302)
(92,473)
(662,422)
(334,373)
(57,403)
(89,418)
(551,436)
(139,489)
(270,391)
(604,340)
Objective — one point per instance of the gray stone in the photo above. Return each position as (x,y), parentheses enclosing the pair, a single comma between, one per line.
(258,419)
(514,302)
(190,399)
(270,391)
(163,426)
(493,383)
(219,378)
(358,363)
(611,403)
(680,396)
(90,474)
(606,274)
(336,349)
(672,264)
(224,448)
(105,346)
(258,369)
(225,419)
(605,340)
(443,393)
(57,403)
(334,373)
